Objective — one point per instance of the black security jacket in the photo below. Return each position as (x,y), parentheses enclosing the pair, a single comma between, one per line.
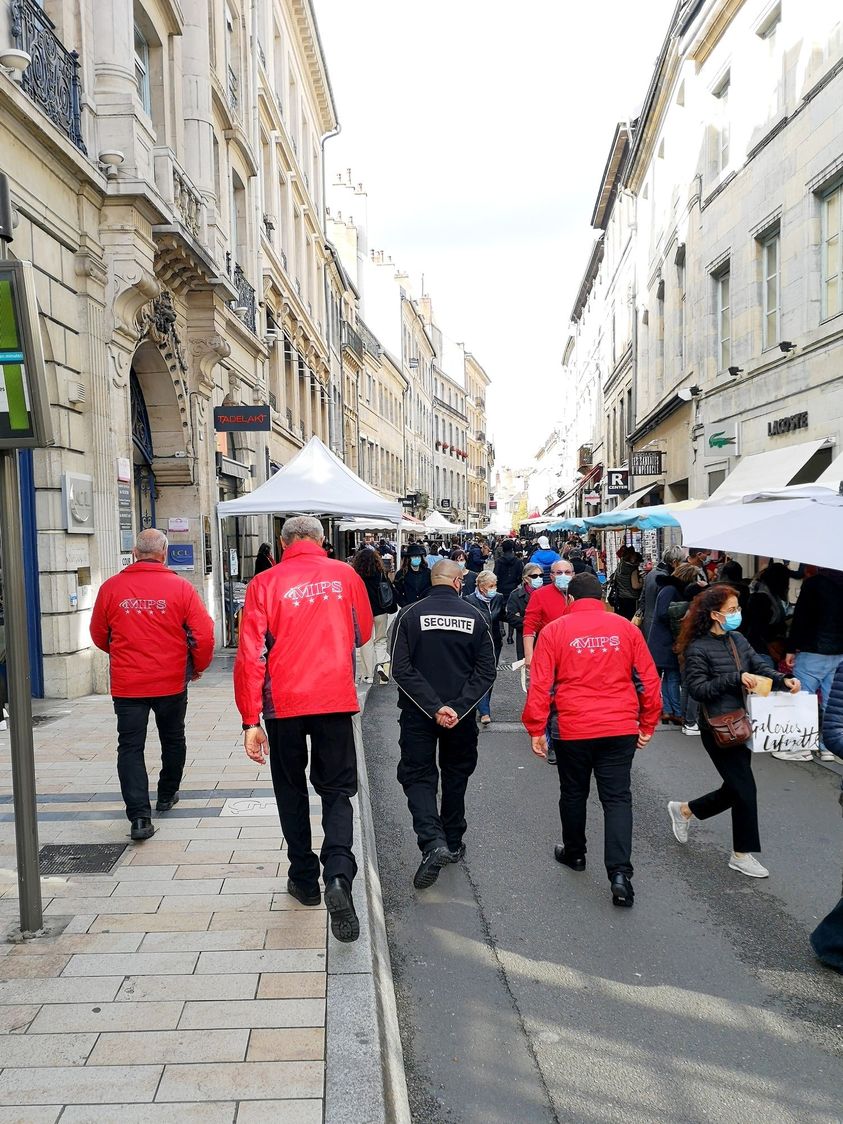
(713,678)
(442,654)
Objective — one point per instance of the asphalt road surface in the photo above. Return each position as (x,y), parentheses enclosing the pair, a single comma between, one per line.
(525,996)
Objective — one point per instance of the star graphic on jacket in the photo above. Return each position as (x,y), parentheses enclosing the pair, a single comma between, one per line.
(311,599)
(324,596)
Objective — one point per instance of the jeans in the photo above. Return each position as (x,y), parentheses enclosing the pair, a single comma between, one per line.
(333,773)
(671,691)
(816,673)
(485,704)
(418,776)
(132,720)
(690,707)
(736,793)
(610,759)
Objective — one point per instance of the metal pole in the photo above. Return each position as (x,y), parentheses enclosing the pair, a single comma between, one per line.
(20,696)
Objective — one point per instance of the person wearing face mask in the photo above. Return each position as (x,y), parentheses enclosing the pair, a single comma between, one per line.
(516,605)
(469,577)
(413,579)
(491,605)
(547,604)
(720,665)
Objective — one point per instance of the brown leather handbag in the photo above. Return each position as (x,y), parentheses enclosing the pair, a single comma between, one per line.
(734,727)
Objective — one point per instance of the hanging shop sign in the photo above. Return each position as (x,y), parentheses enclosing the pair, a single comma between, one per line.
(648,463)
(592,498)
(782,426)
(720,439)
(617,482)
(242,419)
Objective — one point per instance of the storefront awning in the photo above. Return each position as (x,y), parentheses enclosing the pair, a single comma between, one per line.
(635,497)
(833,475)
(764,471)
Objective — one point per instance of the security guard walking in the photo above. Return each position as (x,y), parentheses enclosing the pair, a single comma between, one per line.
(443,661)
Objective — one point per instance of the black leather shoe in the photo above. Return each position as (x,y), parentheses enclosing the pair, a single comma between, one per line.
(457,853)
(344,923)
(166,805)
(622,892)
(551,755)
(432,862)
(142,829)
(303,894)
(575,862)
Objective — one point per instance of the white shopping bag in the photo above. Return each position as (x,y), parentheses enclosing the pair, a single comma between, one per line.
(783,721)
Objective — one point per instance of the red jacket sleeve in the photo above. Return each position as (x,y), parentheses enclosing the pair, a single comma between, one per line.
(650,699)
(542,678)
(200,631)
(249,664)
(533,617)
(100,631)
(362,608)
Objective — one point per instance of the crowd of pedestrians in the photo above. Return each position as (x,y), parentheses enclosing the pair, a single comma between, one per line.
(683,644)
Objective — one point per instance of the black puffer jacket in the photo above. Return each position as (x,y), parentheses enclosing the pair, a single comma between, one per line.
(713,679)
(833,716)
(508,572)
(818,617)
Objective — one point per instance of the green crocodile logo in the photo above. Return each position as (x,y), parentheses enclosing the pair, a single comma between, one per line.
(719,440)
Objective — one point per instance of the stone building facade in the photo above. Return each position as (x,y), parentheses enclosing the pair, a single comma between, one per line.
(730,196)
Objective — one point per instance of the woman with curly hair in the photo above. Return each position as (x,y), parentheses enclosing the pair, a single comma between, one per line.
(374,655)
(720,665)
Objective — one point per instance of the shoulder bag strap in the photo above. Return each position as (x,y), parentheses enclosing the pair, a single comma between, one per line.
(736,658)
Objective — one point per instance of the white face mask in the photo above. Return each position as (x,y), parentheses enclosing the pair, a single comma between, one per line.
(536,582)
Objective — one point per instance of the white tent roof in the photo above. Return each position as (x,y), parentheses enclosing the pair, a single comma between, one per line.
(436,521)
(315,482)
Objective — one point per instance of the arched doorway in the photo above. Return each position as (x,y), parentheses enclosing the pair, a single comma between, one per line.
(142,456)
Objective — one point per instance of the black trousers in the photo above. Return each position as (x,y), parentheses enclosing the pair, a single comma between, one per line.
(419,777)
(132,721)
(333,773)
(610,759)
(626,606)
(736,793)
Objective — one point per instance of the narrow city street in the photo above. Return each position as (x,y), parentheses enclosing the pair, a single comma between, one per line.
(524,996)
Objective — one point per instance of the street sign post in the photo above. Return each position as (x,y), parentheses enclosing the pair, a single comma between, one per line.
(24,423)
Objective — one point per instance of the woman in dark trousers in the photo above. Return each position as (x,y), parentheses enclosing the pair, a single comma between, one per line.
(827,938)
(489,602)
(516,605)
(413,579)
(720,665)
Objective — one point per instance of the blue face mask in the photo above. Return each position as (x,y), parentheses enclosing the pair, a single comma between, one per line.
(415,563)
(537,582)
(732,621)
(562,581)
(487,597)
(461,563)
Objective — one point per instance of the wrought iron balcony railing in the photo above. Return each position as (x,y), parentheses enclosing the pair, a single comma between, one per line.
(52,78)
(233,90)
(246,297)
(352,340)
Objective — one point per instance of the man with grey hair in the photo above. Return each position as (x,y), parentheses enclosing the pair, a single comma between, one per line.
(159,637)
(300,626)
(671,558)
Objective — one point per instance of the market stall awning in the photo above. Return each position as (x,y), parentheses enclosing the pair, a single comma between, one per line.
(436,521)
(774,468)
(801,524)
(315,482)
(634,498)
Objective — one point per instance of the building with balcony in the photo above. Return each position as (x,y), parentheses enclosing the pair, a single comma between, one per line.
(165,164)
(450,438)
(479,448)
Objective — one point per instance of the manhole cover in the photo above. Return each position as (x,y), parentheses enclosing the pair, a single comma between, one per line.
(79,858)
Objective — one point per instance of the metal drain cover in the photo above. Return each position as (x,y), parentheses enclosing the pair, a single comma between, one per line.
(79,858)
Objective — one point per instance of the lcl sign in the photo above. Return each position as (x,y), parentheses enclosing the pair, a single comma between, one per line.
(617,482)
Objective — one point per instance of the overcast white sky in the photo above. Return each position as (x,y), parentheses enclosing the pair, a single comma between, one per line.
(480,129)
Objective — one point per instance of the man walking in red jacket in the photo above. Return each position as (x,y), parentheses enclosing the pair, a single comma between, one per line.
(605,687)
(295,665)
(159,637)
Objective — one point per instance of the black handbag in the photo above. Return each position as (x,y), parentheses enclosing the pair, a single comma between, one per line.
(734,727)
(386,594)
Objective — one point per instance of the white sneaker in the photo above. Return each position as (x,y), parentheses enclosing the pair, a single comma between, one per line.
(680,824)
(825,754)
(792,754)
(749,865)
(691,729)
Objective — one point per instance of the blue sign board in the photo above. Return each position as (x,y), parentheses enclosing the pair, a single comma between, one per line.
(180,556)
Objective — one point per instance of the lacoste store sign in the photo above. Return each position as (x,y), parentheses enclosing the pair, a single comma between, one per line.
(781,426)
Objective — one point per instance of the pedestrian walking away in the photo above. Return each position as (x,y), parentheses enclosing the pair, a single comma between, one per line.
(626,583)
(815,644)
(374,655)
(543,555)
(491,605)
(720,666)
(443,660)
(264,559)
(159,637)
(508,570)
(827,938)
(596,667)
(301,623)
(672,557)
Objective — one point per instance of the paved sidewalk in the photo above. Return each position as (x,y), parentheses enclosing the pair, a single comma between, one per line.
(184,985)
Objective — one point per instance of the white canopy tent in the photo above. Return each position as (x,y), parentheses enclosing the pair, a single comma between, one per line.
(436,521)
(802,523)
(315,482)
